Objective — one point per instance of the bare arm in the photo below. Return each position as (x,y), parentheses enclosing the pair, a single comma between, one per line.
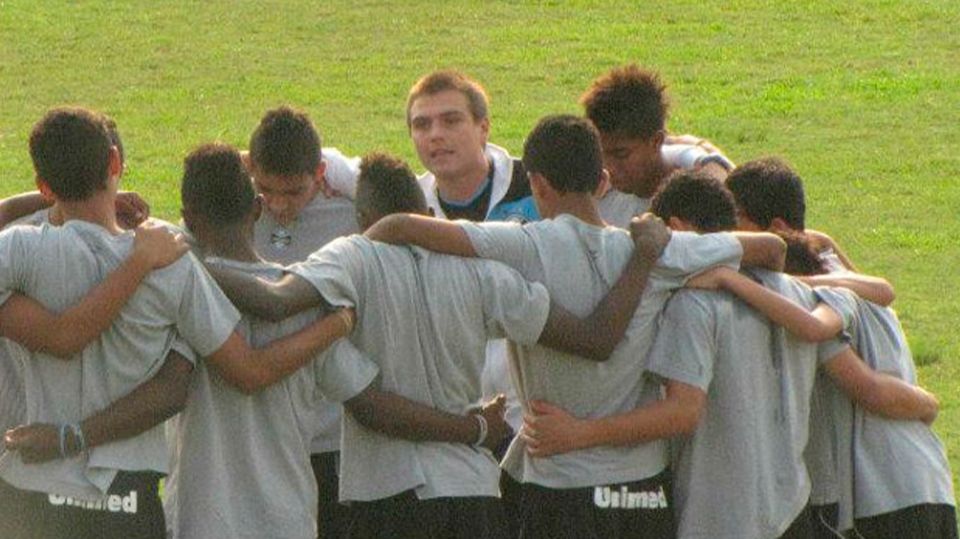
(18,206)
(270,300)
(549,430)
(824,239)
(875,289)
(430,233)
(251,370)
(29,323)
(148,405)
(813,326)
(762,250)
(596,336)
(399,417)
(880,393)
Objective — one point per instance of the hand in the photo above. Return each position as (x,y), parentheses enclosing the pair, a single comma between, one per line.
(712,279)
(131,209)
(549,430)
(327,190)
(497,427)
(692,140)
(650,235)
(157,246)
(36,443)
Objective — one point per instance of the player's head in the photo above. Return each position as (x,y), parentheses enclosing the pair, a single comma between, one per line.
(629,107)
(386,185)
(72,154)
(769,195)
(285,162)
(448,122)
(216,192)
(802,254)
(696,201)
(562,152)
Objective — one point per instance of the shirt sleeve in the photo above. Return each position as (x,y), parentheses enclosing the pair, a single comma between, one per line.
(343,371)
(685,347)
(688,253)
(506,242)
(329,270)
(341,172)
(513,307)
(206,318)
(844,303)
(12,256)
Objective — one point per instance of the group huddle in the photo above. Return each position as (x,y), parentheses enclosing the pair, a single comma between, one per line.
(621,334)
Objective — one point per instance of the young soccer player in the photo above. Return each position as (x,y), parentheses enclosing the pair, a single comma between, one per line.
(629,107)
(292,173)
(78,167)
(577,258)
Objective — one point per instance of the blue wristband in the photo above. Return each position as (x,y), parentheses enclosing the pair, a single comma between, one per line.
(63,440)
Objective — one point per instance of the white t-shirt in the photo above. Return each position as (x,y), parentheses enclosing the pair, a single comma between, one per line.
(425,319)
(57,266)
(579,263)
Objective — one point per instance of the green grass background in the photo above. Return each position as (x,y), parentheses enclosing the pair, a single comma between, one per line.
(861,97)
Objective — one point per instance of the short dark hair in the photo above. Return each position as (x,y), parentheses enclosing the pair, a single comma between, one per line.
(628,101)
(441,81)
(386,185)
(70,149)
(766,189)
(215,185)
(565,149)
(698,198)
(803,254)
(285,143)
(115,137)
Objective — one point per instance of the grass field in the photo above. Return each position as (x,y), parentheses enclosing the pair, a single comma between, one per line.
(861,97)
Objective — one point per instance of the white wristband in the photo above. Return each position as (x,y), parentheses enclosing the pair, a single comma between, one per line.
(482,435)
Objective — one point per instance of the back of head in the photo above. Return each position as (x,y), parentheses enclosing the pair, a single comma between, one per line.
(803,254)
(766,189)
(698,198)
(565,149)
(70,149)
(627,101)
(386,185)
(215,185)
(445,80)
(285,143)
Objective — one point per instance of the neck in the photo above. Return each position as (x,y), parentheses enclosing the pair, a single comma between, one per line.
(460,187)
(99,209)
(580,205)
(231,245)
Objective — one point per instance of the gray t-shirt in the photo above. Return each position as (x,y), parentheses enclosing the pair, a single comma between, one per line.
(425,319)
(243,461)
(883,465)
(796,362)
(717,343)
(57,266)
(579,263)
(321,221)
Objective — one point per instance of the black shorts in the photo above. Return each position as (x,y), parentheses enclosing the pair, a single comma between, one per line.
(825,519)
(803,526)
(404,516)
(333,518)
(640,509)
(928,521)
(131,509)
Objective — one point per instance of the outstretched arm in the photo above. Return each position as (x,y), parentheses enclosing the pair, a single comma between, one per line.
(880,393)
(18,206)
(253,369)
(875,289)
(813,326)
(549,430)
(428,232)
(399,417)
(762,250)
(148,405)
(270,300)
(29,323)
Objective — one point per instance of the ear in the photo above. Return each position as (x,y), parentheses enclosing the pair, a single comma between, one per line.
(676,223)
(115,166)
(320,172)
(485,129)
(44,189)
(247,163)
(603,185)
(257,209)
(659,137)
(779,225)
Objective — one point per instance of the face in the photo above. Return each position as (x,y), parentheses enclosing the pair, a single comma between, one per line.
(634,164)
(448,139)
(286,196)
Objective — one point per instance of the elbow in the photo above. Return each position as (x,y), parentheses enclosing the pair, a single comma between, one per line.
(686,419)
(885,293)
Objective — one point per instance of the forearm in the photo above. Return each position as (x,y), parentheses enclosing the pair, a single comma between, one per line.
(762,250)
(399,417)
(18,206)
(659,420)
(426,232)
(261,298)
(781,310)
(895,399)
(875,289)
